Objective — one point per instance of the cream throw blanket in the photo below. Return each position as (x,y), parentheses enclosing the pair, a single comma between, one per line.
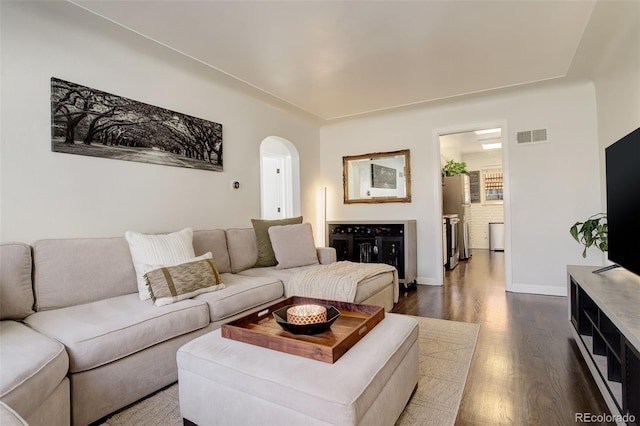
(335,281)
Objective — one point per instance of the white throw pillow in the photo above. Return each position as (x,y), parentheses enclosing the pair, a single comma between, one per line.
(153,251)
(293,245)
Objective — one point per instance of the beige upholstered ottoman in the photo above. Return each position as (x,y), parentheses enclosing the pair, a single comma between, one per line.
(226,382)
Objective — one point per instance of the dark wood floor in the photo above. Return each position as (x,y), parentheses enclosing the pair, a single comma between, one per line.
(526,368)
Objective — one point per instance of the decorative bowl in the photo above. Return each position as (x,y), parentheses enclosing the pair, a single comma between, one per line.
(280,315)
(306,314)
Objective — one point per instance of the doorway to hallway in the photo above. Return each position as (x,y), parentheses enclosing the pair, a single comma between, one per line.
(473,197)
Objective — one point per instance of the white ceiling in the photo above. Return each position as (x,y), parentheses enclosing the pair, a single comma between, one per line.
(335,59)
(468,142)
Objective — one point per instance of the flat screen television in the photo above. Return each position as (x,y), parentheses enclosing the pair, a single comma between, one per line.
(623,201)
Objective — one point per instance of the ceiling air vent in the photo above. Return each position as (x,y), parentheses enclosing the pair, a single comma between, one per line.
(529,136)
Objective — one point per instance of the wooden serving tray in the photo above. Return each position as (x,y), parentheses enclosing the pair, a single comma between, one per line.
(261,329)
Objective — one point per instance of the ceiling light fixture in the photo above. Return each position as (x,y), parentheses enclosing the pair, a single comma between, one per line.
(496,145)
(488,131)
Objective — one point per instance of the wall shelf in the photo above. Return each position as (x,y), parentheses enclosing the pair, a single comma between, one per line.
(493,185)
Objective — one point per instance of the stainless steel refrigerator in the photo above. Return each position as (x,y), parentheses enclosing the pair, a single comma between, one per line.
(451,250)
(456,199)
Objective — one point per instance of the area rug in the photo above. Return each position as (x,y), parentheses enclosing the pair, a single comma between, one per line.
(446,351)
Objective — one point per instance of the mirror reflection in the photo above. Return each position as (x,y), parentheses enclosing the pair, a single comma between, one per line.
(382,177)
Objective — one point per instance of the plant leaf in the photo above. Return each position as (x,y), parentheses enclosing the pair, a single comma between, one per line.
(592,232)
(574,231)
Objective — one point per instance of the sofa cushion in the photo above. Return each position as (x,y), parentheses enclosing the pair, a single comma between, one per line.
(293,245)
(152,251)
(214,241)
(32,366)
(242,292)
(274,273)
(243,249)
(16,291)
(80,270)
(266,257)
(9,417)
(175,283)
(101,332)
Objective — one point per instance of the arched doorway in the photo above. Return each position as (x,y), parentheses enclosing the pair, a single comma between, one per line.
(279,178)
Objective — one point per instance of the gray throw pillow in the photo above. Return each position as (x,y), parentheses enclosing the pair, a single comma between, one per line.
(242,248)
(293,245)
(266,257)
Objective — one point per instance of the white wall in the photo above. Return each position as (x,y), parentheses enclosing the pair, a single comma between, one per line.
(613,53)
(483,213)
(551,185)
(609,55)
(51,195)
(616,77)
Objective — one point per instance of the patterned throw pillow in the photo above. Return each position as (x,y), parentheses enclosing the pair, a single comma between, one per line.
(266,257)
(174,283)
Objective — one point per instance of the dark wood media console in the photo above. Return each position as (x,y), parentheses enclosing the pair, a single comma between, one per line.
(604,311)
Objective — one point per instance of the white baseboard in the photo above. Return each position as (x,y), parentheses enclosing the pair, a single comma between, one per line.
(427,281)
(539,289)
(516,288)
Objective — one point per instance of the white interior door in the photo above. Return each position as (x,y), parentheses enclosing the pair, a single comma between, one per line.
(273,188)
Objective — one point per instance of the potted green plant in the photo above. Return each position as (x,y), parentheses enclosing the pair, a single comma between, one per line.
(452,168)
(592,232)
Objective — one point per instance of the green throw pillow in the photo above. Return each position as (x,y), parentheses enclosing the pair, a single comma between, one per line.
(184,281)
(266,257)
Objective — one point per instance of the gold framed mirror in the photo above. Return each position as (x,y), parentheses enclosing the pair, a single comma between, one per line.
(380,177)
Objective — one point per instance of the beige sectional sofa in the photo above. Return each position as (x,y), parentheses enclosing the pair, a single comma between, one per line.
(93,346)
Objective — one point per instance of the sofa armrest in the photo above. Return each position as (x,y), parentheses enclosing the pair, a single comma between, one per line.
(326,255)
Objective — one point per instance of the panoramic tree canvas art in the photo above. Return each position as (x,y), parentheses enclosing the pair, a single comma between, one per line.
(87,121)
